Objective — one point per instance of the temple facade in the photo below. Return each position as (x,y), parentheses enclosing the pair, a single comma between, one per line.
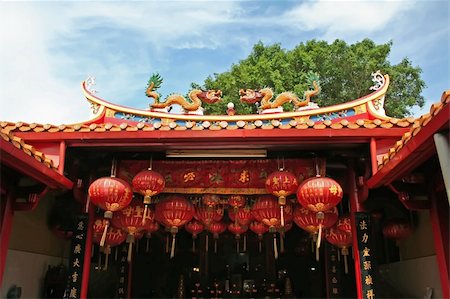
(317,202)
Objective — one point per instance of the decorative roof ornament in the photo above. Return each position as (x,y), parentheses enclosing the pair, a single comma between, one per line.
(90,81)
(378,79)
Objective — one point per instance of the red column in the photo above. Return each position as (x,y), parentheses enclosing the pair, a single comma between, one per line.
(439,213)
(355,206)
(87,254)
(5,230)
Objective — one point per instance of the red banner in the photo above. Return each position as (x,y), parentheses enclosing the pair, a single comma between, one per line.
(219,176)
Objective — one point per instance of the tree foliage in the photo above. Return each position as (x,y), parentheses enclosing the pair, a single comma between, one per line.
(344,70)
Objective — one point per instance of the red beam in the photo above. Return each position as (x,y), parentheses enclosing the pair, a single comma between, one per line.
(224,135)
(419,149)
(18,160)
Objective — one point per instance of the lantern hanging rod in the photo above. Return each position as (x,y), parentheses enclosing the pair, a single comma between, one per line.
(240,153)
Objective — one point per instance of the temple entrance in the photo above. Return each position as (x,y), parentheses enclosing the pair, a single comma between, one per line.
(225,273)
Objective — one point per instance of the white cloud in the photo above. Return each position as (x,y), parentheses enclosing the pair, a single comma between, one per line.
(31,89)
(336,18)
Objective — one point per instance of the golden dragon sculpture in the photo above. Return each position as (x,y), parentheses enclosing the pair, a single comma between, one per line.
(265,96)
(196,96)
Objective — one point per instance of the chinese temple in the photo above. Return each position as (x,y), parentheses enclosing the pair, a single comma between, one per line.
(316,202)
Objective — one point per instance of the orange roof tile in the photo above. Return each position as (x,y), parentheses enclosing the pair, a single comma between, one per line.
(206,125)
(19,143)
(418,125)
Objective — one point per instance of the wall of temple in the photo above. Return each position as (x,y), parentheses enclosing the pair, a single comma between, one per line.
(417,269)
(32,248)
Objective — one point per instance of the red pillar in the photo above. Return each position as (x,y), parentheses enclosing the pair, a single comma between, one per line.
(439,212)
(355,207)
(5,230)
(87,254)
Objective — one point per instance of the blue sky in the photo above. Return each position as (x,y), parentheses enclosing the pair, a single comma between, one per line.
(48,48)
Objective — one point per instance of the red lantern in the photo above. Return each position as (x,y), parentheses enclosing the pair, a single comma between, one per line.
(211,200)
(113,238)
(194,227)
(319,194)
(259,228)
(238,230)
(241,216)
(110,194)
(341,240)
(344,224)
(397,229)
(130,220)
(216,228)
(236,201)
(281,184)
(208,215)
(148,183)
(174,212)
(309,221)
(266,210)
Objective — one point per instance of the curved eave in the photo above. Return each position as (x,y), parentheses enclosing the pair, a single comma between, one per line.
(365,100)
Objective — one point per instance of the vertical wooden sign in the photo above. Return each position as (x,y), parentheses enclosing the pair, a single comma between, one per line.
(366,256)
(76,260)
(334,272)
(122,287)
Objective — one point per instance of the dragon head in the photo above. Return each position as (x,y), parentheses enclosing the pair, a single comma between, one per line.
(211,96)
(249,96)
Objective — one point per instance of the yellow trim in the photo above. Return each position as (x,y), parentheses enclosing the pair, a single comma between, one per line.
(212,118)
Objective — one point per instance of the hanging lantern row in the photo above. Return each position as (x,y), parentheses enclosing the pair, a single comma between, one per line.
(112,194)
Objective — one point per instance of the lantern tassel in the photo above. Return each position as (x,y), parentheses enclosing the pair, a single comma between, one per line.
(245,243)
(281,243)
(260,246)
(172,251)
(107,251)
(215,245)
(237,245)
(86,207)
(206,243)
(144,215)
(282,215)
(102,241)
(319,237)
(317,254)
(193,245)
(116,252)
(275,247)
(339,255)
(130,251)
(345,253)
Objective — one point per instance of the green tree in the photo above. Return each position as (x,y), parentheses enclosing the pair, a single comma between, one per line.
(344,70)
